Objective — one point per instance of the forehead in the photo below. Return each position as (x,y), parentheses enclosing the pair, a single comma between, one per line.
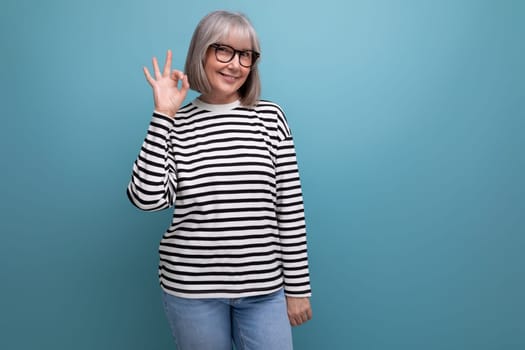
(237,37)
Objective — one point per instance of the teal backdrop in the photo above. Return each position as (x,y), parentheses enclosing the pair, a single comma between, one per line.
(409,124)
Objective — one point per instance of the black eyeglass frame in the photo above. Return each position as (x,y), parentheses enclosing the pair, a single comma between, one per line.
(255,54)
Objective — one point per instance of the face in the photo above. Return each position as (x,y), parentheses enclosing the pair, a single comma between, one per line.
(226,78)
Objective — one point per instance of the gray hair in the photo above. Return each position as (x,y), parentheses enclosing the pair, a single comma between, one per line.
(213,28)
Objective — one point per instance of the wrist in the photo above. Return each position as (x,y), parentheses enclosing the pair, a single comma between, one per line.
(167,113)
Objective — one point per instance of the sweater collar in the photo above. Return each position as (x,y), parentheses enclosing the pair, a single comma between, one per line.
(216,107)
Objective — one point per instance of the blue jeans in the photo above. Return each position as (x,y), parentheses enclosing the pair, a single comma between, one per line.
(252,323)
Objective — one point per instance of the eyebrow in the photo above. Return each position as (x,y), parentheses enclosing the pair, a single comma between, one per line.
(219,43)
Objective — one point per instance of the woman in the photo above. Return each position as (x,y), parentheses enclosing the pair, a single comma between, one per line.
(233,263)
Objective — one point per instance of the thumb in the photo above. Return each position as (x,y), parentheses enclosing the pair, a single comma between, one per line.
(185,83)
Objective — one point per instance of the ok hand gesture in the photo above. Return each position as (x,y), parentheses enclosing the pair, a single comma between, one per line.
(167,95)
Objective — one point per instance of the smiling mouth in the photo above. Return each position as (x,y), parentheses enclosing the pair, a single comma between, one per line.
(229,77)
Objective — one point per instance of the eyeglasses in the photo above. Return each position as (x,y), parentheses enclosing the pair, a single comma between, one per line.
(226,53)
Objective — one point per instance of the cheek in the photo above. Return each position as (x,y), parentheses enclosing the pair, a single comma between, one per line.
(249,75)
(242,85)
(246,75)
(209,64)
(209,70)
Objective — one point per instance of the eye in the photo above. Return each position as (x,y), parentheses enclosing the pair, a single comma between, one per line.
(247,54)
(224,49)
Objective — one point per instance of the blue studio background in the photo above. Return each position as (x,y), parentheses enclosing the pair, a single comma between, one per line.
(409,124)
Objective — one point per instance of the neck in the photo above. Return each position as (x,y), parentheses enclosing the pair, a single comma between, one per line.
(216,107)
(218,100)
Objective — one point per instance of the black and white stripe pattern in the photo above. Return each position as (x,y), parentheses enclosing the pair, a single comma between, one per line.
(238,227)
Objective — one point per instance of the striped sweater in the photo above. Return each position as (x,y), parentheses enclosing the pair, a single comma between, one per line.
(231,173)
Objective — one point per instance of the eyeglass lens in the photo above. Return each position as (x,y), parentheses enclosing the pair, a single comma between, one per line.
(225,54)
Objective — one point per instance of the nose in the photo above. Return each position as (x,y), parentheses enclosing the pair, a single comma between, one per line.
(235,62)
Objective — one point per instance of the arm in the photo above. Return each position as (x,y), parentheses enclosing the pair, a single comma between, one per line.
(291,222)
(292,229)
(153,182)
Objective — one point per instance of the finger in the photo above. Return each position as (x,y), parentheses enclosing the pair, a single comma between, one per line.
(156,69)
(148,76)
(177,75)
(167,64)
(295,319)
(185,84)
(307,313)
(304,318)
(298,320)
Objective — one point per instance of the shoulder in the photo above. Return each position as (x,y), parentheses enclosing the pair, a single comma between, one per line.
(267,109)
(187,110)
(189,114)
(262,107)
(277,114)
(266,105)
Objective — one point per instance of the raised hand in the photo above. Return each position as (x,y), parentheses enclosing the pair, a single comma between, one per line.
(167,95)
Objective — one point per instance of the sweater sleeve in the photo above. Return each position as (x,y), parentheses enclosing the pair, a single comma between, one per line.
(154,180)
(290,218)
